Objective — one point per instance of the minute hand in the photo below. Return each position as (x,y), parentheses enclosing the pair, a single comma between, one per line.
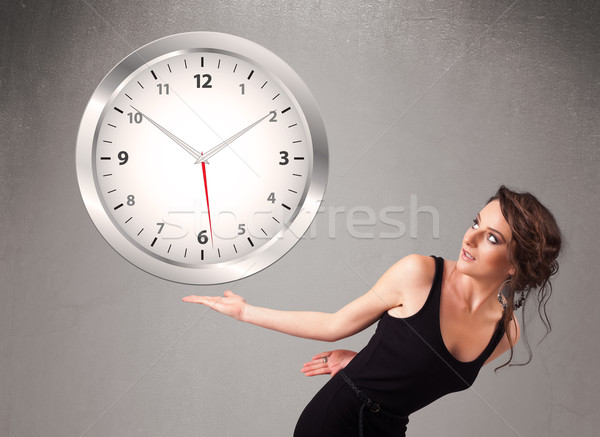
(212,152)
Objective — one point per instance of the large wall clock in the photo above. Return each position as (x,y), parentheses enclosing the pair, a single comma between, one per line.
(202,158)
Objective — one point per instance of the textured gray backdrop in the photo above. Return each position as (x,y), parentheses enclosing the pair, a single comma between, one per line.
(438,101)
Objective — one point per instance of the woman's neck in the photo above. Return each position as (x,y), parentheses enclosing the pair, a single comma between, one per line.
(474,294)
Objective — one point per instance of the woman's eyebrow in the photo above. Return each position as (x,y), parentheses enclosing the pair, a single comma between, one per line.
(492,229)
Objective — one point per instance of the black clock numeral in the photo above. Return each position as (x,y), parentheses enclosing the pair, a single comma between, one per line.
(160,227)
(242,88)
(123,157)
(163,88)
(202,237)
(135,118)
(130,200)
(206,84)
(271,198)
(241,229)
(284,157)
(273,116)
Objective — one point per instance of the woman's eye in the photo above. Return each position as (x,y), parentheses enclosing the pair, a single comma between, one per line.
(475,224)
(493,239)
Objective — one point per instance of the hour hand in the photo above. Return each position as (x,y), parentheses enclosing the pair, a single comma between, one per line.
(179,141)
(206,156)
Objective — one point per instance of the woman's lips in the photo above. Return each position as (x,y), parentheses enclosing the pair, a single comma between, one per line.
(467,256)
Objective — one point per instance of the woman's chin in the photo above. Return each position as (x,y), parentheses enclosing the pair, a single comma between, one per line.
(466,268)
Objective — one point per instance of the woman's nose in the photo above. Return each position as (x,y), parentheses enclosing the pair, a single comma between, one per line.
(470,239)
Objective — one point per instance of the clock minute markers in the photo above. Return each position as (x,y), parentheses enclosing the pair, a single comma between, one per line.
(167,180)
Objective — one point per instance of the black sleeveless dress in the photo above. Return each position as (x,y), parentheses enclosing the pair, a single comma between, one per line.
(404,367)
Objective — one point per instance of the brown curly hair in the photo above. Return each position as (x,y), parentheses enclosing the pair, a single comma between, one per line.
(533,251)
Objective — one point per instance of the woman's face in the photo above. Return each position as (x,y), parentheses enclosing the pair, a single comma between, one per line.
(484,253)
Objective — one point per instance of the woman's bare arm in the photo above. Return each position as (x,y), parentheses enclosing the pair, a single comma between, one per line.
(352,318)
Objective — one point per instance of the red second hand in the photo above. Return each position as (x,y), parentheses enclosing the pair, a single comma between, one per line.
(207,204)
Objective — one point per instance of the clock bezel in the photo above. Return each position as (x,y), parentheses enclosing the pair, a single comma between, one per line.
(209,273)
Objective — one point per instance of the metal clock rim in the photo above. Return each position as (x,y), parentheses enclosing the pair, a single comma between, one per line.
(257,55)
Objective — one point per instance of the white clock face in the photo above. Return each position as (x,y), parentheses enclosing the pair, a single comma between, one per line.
(202,158)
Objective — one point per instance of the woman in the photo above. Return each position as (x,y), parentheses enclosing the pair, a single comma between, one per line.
(440,321)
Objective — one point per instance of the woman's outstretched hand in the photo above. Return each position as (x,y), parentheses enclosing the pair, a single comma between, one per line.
(328,362)
(229,304)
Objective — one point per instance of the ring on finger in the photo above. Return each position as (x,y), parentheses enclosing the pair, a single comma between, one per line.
(324,359)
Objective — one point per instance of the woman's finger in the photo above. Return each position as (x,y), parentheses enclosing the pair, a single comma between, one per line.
(311,368)
(192,299)
(322,355)
(321,369)
(317,372)
(314,365)
(205,300)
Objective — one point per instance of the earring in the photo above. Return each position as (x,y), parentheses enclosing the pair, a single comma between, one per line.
(501,297)
(519,302)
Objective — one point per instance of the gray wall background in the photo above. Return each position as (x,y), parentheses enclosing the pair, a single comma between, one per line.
(442,100)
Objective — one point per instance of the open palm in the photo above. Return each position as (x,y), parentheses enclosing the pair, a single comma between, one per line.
(335,361)
(229,304)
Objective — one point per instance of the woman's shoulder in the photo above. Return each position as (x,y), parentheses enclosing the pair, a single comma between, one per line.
(413,270)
